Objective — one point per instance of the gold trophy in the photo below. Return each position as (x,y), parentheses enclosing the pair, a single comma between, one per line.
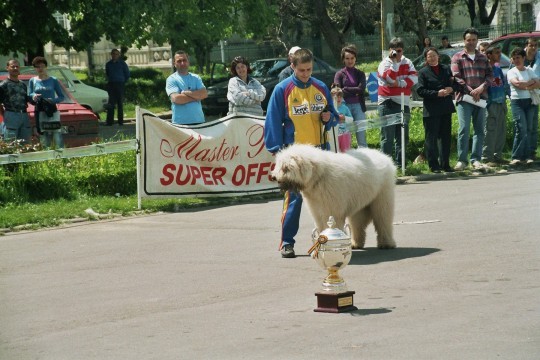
(332,251)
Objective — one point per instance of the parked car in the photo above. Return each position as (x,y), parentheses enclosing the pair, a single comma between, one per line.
(90,97)
(445,57)
(508,42)
(79,124)
(266,71)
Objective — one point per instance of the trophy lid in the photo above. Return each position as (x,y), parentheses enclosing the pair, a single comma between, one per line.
(334,233)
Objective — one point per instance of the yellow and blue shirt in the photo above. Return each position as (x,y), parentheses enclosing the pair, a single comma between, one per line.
(294,114)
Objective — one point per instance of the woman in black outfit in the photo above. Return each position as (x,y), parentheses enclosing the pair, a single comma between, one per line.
(435,85)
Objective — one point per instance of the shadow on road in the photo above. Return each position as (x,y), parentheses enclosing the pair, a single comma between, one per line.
(366,312)
(372,256)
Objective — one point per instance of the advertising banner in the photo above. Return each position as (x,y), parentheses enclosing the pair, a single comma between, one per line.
(224,157)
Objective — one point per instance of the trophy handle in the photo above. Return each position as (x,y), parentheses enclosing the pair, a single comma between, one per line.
(347,229)
(315,234)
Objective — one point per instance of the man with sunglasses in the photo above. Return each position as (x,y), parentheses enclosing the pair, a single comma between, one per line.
(396,75)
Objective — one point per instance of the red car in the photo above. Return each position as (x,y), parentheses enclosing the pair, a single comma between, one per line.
(80,125)
(508,42)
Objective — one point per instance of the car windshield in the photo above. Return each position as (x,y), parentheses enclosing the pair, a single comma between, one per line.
(268,68)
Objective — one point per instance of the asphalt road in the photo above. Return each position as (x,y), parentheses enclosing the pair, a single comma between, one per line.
(210,284)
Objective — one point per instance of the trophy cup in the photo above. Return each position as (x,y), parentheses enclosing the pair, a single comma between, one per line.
(332,251)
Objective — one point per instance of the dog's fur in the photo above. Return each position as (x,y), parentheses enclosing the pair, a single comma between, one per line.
(357,185)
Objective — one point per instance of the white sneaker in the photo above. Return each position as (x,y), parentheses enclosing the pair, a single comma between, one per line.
(477,164)
(515,162)
(460,166)
(529,161)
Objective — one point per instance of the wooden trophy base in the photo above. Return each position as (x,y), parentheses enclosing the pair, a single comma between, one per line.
(335,303)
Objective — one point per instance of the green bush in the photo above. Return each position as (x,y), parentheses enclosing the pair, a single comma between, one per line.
(146,86)
(110,175)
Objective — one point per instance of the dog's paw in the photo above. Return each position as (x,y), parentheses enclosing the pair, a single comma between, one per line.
(386,246)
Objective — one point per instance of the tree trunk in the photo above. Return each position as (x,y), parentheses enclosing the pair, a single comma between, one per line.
(37,50)
(486,19)
(176,45)
(200,54)
(421,23)
(472,10)
(333,36)
(91,65)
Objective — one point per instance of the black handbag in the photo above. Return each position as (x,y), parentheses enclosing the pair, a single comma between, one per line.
(49,108)
(46,106)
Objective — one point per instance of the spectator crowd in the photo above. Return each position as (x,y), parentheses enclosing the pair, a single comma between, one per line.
(473,86)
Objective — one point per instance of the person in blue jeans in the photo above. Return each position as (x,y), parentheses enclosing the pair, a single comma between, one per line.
(352,82)
(13,102)
(396,75)
(472,71)
(300,111)
(47,87)
(532,60)
(522,79)
(495,131)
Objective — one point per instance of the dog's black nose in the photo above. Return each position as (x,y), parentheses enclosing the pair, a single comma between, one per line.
(273,178)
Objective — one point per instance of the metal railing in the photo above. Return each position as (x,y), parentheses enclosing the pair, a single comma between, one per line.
(81,151)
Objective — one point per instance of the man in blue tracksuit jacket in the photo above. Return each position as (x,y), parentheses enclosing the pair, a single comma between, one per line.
(300,110)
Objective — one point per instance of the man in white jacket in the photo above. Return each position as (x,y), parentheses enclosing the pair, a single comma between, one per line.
(396,75)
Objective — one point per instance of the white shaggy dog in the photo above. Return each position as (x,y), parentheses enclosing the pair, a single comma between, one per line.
(357,185)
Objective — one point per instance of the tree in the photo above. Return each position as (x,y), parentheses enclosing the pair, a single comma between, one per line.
(483,18)
(18,34)
(334,19)
(413,18)
(124,22)
(198,25)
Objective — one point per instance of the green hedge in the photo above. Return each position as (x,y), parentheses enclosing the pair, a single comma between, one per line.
(146,86)
(110,174)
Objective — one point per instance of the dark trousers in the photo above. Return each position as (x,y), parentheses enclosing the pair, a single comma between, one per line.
(391,135)
(438,128)
(116,99)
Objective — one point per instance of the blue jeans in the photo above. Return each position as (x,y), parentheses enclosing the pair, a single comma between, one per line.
(358,114)
(523,112)
(17,126)
(533,142)
(495,132)
(391,135)
(51,135)
(465,112)
(290,217)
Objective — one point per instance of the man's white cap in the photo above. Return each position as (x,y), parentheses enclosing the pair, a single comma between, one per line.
(294,49)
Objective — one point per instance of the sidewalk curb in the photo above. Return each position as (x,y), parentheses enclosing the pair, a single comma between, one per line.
(401,180)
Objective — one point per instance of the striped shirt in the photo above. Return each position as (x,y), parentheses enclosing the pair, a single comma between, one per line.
(470,73)
(245,97)
(389,73)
